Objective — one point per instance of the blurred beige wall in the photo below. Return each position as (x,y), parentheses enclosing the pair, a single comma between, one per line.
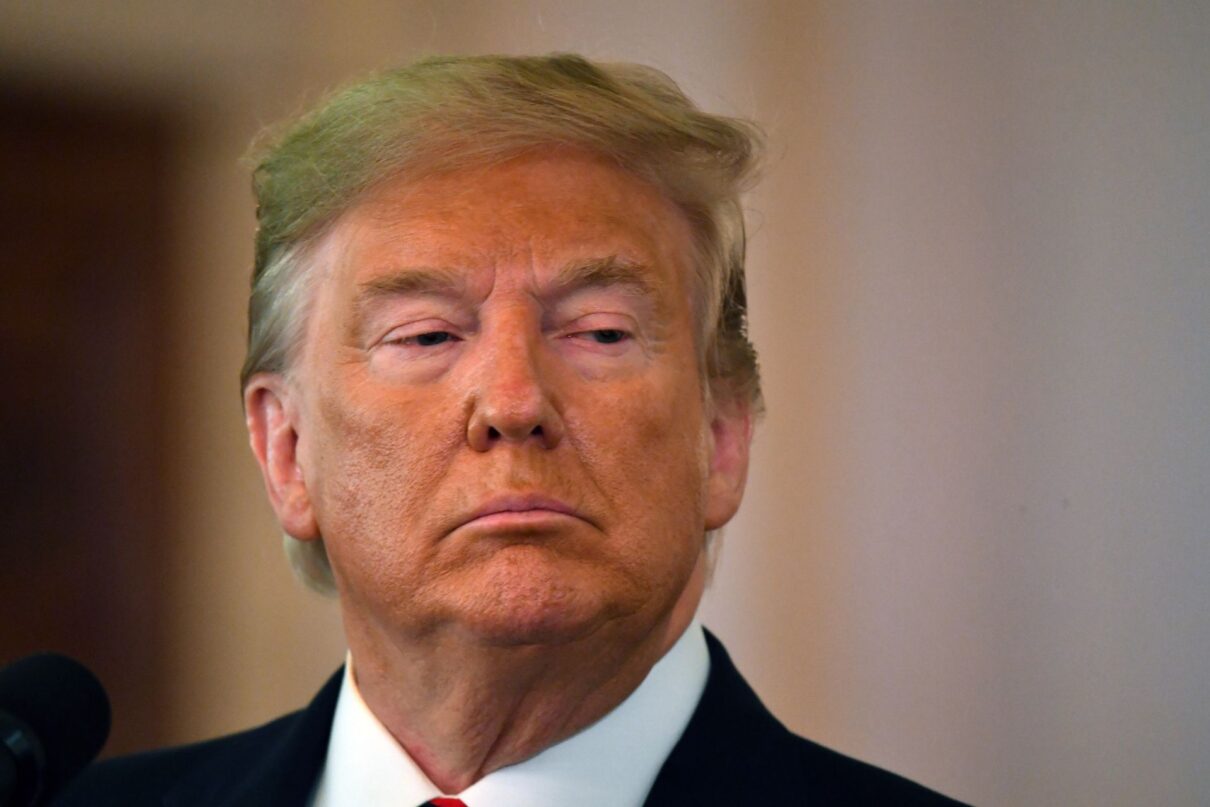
(975,547)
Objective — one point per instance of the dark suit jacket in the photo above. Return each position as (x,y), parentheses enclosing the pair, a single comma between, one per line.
(733,752)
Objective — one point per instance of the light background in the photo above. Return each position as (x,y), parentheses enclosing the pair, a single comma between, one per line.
(975,547)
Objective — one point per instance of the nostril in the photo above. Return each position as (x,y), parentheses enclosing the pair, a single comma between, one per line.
(495,434)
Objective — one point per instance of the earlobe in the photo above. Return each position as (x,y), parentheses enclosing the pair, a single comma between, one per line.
(731,438)
(272,419)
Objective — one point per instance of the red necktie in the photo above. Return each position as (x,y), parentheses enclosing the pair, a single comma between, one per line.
(447,802)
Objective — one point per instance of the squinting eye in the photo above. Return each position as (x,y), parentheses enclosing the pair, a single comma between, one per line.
(431,338)
(607,336)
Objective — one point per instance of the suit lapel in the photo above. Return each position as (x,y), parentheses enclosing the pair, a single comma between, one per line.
(732,749)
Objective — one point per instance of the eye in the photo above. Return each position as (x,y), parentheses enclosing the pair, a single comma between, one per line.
(430,338)
(421,339)
(607,336)
(608,341)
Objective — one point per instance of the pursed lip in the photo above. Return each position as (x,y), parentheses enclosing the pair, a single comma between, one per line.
(534,506)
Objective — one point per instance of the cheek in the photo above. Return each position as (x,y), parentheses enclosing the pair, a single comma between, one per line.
(374,473)
(647,451)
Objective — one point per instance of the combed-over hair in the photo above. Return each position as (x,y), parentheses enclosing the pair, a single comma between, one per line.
(446,113)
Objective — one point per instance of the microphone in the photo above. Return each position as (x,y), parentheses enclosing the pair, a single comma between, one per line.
(54,718)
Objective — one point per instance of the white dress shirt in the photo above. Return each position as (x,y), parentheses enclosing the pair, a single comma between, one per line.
(612,763)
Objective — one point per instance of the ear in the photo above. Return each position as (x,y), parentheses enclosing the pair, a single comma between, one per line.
(731,437)
(273,430)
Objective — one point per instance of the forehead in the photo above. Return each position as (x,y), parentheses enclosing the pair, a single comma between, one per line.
(531,215)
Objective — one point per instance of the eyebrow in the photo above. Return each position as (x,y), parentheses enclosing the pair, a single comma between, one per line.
(605,272)
(421,281)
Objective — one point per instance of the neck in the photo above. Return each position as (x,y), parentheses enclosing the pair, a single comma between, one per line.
(462,709)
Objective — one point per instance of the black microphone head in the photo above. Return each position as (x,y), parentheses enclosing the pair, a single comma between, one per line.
(64,705)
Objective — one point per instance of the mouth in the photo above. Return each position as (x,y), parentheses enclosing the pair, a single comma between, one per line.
(529,512)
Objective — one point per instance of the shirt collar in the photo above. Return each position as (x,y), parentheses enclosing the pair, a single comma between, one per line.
(612,763)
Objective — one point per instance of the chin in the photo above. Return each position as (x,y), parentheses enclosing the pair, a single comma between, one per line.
(530,627)
(530,599)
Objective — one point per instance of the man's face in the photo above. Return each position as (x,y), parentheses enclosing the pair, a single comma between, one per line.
(496,422)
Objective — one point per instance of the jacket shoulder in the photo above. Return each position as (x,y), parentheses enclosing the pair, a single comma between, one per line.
(735,751)
(834,778)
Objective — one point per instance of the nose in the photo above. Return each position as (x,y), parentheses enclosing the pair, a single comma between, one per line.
(512,402)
